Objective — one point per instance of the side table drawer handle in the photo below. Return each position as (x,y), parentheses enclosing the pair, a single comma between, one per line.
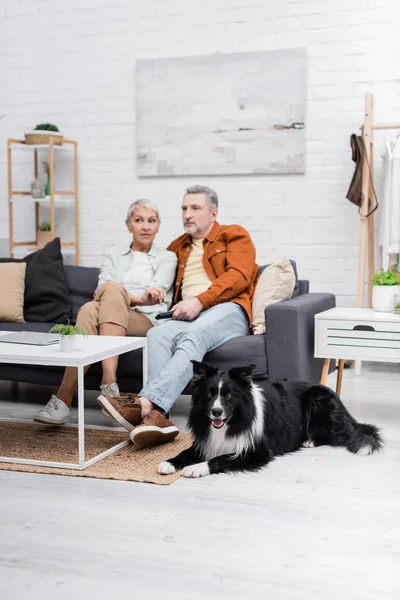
(363,328)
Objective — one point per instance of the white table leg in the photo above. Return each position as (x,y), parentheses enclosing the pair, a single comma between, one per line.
(357,367)
(81,417)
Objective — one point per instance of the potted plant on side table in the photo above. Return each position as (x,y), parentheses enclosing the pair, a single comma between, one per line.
(68,335)
(386,285)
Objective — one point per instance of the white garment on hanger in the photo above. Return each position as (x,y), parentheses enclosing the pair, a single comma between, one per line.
(389,230)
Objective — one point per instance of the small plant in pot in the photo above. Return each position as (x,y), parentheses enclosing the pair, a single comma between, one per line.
(397,308)
(44,234)
(41,134)
(386,285)
(68,335)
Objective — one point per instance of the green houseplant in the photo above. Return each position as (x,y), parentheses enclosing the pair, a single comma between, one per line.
(43,234)
(44,226)
(386,286)
(43,133)
(46,127)
(68,333)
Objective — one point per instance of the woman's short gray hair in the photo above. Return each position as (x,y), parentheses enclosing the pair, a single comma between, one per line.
(210,194)
(142,204)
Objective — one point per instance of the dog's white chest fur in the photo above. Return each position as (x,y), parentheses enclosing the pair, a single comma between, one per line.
(218,444)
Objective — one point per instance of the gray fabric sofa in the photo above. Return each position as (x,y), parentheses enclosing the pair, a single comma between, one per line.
(285,352)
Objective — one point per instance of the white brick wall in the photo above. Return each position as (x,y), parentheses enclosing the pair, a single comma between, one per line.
(72,62)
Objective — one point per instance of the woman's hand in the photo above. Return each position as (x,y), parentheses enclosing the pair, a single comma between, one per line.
(153,296)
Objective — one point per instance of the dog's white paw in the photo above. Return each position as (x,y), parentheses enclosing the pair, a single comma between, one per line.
(308,444)
(165,468)
(199,470)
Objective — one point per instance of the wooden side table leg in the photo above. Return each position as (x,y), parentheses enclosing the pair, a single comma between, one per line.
(339,376)
(325,369)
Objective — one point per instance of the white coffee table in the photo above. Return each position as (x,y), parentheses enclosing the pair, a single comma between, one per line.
(356,334)
(91,349)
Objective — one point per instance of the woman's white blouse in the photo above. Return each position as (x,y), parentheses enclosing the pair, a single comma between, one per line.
(138,271)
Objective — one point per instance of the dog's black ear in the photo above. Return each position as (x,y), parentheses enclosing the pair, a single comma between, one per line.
(202,369)
(243,373)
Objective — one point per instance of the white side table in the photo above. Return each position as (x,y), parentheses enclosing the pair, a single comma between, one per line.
(92,349)
(356,334)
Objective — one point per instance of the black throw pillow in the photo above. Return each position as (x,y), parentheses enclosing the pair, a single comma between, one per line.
(47,295)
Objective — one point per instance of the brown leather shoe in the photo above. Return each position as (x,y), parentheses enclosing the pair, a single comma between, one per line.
(153,431)
(126,409)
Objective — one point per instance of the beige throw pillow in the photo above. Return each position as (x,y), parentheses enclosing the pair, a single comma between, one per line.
(276,283)
(12,279)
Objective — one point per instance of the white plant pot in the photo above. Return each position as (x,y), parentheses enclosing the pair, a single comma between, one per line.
(67,343)
(383,297)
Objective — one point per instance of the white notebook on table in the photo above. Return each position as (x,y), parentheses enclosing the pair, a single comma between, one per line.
(32,338)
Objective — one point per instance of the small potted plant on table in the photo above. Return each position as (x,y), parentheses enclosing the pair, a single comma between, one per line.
(68,335)
(386,285)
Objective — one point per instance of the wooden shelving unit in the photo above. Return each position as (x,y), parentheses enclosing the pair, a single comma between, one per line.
(55,195)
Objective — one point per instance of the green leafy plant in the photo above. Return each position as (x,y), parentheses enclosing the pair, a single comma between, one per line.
(68,330)
(397,307)
(46,127)
(389,277)
(44,226)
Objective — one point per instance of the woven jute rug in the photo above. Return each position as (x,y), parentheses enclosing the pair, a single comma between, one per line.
(60,444)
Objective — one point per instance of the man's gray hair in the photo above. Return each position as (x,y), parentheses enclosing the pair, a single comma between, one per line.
(142,204)
(210,194)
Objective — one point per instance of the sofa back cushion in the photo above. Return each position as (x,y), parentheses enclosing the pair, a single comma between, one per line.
(275,284)
(297,291)
(12,277)
(82,281)
(47,297)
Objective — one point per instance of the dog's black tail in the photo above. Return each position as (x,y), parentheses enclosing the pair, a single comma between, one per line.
(365,439)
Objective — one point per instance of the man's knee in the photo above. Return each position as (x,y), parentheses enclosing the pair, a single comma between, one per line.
(197,337)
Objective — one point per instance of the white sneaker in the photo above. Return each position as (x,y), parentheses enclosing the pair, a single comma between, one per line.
(56,412)
(109,389)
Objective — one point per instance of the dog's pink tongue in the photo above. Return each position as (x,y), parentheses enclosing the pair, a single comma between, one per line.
(218,423)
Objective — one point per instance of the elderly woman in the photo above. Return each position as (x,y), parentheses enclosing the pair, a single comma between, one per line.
(135,284)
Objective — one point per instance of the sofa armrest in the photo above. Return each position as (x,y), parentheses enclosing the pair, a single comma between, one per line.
(289,337)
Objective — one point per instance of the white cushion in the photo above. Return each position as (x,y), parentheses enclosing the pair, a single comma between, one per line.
(276,283)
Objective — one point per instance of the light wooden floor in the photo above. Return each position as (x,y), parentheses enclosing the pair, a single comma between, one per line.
(320,524)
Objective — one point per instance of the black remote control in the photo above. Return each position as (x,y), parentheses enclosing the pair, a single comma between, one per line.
(164,315)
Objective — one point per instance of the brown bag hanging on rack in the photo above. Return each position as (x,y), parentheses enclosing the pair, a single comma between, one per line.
(354,193)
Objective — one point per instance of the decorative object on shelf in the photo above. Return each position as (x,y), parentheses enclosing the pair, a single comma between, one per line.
(386,286)
(397,308)
(68,335)
(38,188)
(47,171)
(44,234)
(42,134)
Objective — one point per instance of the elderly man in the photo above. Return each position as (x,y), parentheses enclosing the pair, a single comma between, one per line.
(214,285)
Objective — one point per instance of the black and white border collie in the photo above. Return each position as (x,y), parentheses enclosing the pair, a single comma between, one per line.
(239,426)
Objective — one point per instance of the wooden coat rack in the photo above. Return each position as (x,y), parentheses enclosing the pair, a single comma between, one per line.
(367,222)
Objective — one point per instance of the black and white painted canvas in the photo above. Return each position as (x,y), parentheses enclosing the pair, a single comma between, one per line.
(222,114)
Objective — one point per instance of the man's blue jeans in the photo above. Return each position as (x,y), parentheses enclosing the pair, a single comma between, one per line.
(172,345)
